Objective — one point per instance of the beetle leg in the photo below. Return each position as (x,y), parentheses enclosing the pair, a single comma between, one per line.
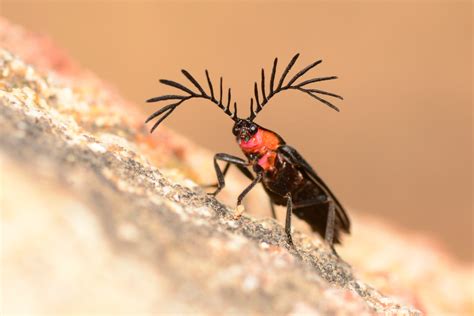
(289,210)
(321,199)
(220,175)
(329,235)
(331,219)
(272,207)
(245,171)
(244,193)
(241,168)
(214,185)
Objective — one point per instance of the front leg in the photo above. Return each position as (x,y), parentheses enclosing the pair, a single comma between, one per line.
(214,185)
(240,208)
(239,162)
(242,169)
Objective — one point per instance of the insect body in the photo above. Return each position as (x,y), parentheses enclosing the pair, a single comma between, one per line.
(286,177)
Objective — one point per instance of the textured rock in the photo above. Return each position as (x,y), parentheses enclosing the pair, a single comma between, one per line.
(99,216)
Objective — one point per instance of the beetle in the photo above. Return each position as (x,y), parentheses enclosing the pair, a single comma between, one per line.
(285,175)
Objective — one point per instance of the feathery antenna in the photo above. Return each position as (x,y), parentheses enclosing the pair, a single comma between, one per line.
(165,111)
(290,85)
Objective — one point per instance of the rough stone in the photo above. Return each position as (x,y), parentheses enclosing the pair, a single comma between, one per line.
(100,217)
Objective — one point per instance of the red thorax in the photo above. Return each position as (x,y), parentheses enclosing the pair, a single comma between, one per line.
(263,144)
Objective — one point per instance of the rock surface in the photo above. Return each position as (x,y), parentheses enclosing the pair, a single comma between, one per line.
(100,217)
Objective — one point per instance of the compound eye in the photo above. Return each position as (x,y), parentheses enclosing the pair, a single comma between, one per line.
(235,130)
(253,129)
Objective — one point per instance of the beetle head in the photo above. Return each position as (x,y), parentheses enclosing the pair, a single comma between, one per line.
(244,129)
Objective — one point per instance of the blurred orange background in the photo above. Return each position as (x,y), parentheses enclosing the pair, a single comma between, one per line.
(401,148)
